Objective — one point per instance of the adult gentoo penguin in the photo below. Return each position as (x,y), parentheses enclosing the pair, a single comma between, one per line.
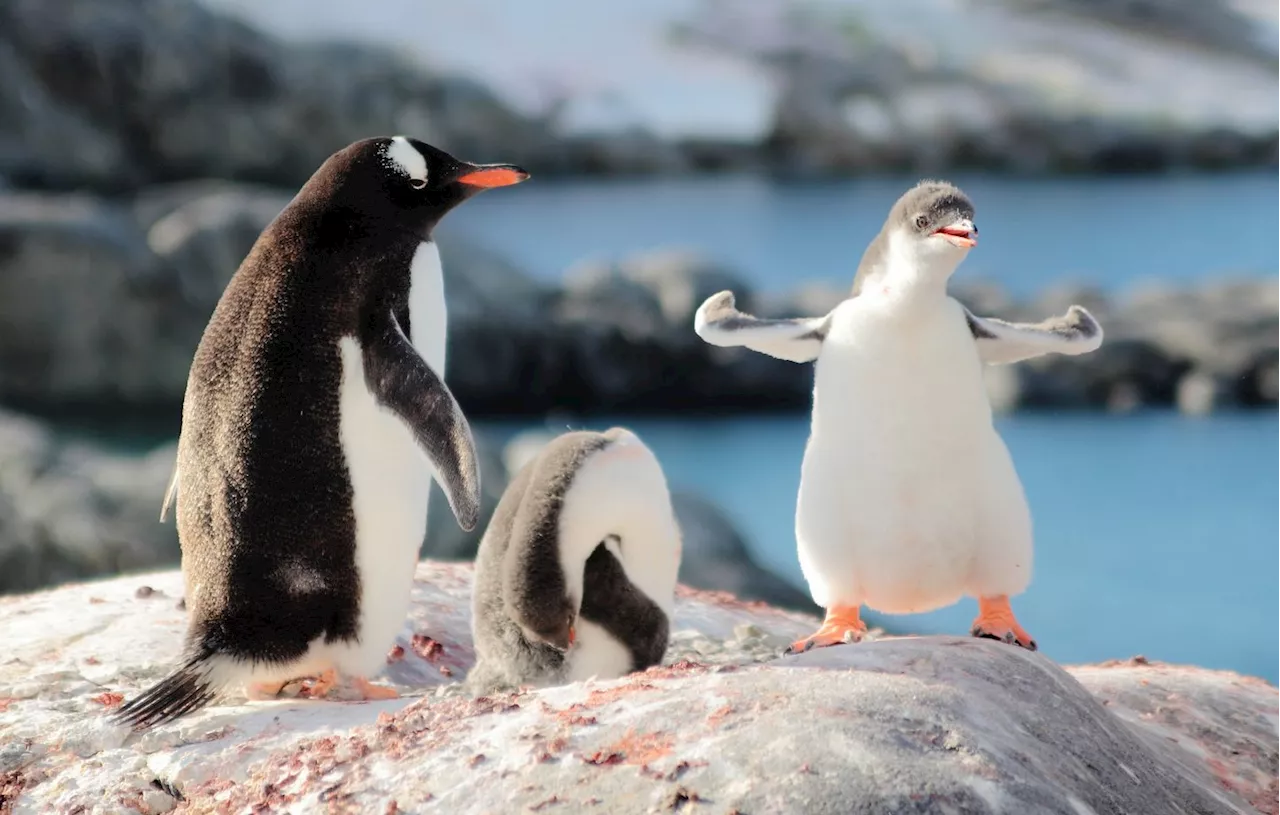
(314,420)
(908,497)
(576,574)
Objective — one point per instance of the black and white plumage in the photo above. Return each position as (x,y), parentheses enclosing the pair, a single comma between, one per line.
(575,576)
(314,421)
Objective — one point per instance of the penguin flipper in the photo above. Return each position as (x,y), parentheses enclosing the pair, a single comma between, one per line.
(718,322)
(402,381)
(1000,342)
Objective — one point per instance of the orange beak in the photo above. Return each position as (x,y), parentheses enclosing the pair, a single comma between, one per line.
(573,635)
(962,233)
(486,176)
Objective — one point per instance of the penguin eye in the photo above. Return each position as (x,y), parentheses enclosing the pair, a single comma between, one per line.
(417,183)
(921,221)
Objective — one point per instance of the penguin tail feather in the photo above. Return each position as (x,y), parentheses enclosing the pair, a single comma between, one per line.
(169,493)
(184,691)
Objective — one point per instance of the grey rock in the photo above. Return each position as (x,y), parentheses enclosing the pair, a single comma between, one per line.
(603,295)
(1212,25)
(202,231)
(681,280)
(116,96)
(716,558)
(928,724)
(935,85)
(70,511)
(1260,382)
(1199,393)
(88,315)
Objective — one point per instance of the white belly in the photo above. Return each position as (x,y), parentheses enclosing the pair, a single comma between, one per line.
(597,653)
(390,478)
(908,498)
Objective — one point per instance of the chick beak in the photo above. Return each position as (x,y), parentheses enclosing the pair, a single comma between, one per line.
(487,176)
(962,233)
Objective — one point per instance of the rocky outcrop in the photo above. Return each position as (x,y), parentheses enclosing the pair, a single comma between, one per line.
(119,96)
(71,510)
(102,305)
(1047,86)
(116,97)
(724,725)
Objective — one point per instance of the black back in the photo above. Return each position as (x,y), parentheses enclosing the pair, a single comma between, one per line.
(264,499)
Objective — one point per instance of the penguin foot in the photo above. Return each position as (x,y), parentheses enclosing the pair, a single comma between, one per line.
(996,622)
(842,625)
(372,692)
(261,691)
(319,687)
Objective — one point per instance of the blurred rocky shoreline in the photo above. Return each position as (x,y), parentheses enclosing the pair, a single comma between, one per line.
(73,510)
(103,301)
(116,97)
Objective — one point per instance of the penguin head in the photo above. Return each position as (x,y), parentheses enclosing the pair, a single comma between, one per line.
(936,220)
(929,230)
(556,629)
(404,181)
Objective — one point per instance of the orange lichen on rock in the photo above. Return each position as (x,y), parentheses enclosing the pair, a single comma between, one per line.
(108,699)
(716,717)
(639,748)
(605,695)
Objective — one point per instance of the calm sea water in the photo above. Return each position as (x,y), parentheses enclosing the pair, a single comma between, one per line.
(1155,534)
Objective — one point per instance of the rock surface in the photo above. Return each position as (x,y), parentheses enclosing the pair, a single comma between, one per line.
(70,511)
(890,725)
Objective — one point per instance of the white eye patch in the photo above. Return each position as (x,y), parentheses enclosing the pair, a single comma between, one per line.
(405,158)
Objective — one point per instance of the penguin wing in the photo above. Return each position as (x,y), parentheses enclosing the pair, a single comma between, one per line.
(1000,342)
(718,322)
(402,381)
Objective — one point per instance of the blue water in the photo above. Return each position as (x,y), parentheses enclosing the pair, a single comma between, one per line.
(1155,534)
(1111,232)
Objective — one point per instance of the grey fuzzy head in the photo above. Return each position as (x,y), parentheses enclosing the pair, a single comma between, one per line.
(921,212)
(928,206)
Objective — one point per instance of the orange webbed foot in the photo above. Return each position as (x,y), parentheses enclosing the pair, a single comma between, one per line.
(372,692)
(842,625)
(319,687)
(996,621)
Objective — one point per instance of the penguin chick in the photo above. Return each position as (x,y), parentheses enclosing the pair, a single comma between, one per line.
(576,574)
(315,418)
(908,497)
